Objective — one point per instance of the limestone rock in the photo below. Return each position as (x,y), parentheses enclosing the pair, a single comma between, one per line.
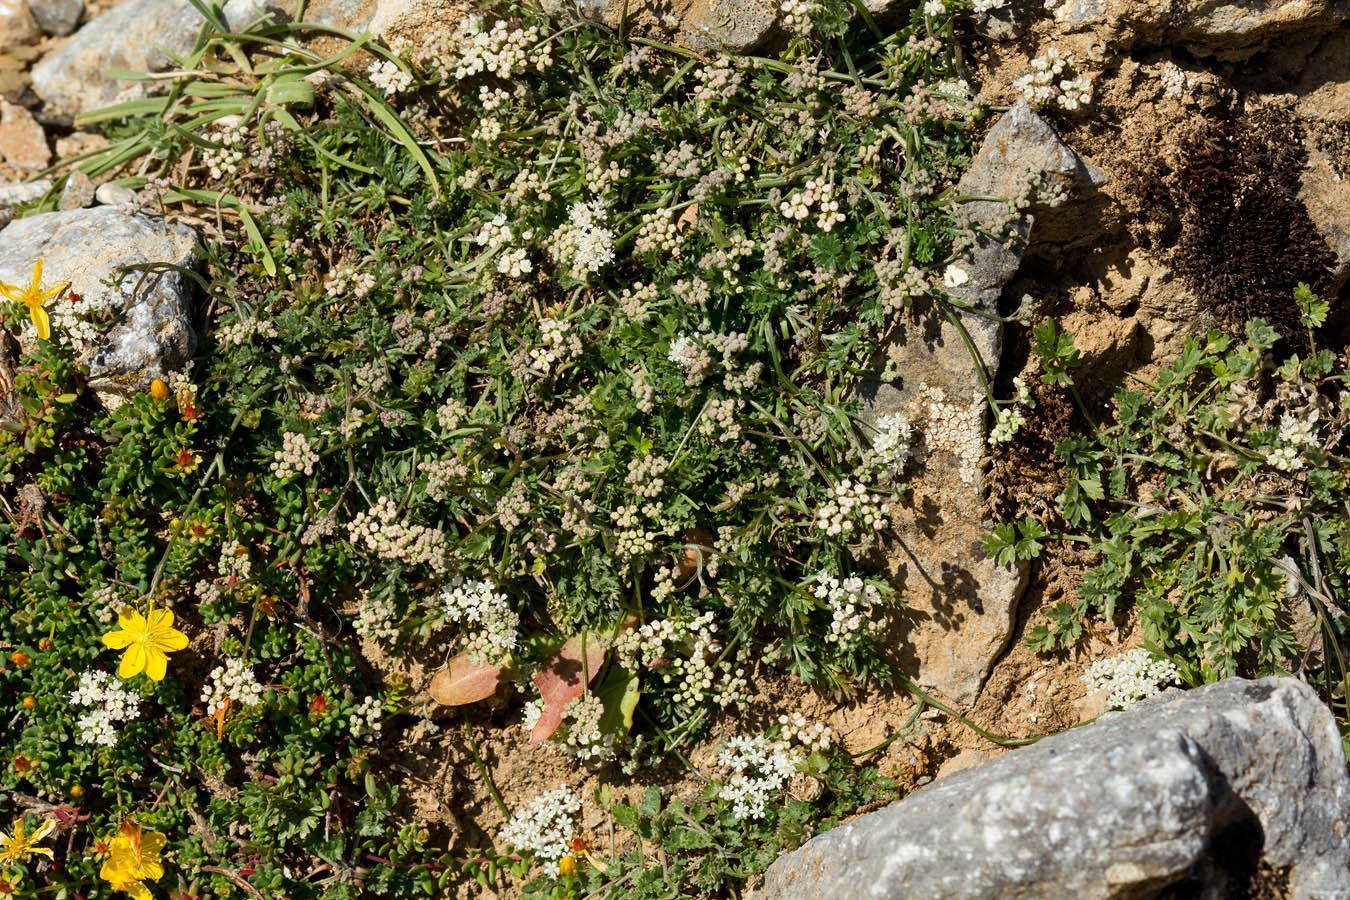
(1230,29)
(151,332)
(140,35)
(17,26)
(111,194)
(57,17)
(961,605)
(1183,786)
(708,26)
(12,195)
(78,192)
(22,140)
(1325,192)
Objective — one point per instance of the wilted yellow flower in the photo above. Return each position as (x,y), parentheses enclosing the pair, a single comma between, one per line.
(35,298)
(147,640)
(133,858)
(18,843)
(159,390)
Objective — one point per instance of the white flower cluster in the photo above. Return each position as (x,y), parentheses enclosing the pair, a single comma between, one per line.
(956,429)
(294,457)
(558,344)
(477,604)
(814,736)
(1010,419)
(934,7)
(380,531)
(760,770)
(545,827)
(75,317)
(817,194)
(389,78)
(1294,434)
(496,234)
(111,704)
(499,50)
(850,503)
(227,158)
(892,441)
(1130,677)
(233,681)
(583,243)
(1044,87)
(848,601)
(365,719)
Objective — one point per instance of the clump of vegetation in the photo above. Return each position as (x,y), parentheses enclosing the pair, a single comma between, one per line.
(539,343)
(1214,503)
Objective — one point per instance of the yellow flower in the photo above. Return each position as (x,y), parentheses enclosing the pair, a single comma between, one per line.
(133,858)
(18,844)
(147,639)
(34,297)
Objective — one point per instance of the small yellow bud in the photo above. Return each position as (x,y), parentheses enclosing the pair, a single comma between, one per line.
(568,865)
(20,659)
(159,390)
(29,702)
(76,791)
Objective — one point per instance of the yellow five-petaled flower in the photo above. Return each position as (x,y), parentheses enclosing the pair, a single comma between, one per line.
(147,639)
(18,843)
(34,297)
(133,858)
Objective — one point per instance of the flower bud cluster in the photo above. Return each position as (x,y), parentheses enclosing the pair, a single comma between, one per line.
(848,601)
(295,456)
(381,532)
(814,736)
(850,504)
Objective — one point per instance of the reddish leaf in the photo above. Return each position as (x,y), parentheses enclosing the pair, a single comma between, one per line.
(463,682)
(560,682)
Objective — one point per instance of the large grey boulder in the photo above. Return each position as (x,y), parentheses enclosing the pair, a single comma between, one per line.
(1120,808)
(129,327)
(145,36)
(961,605)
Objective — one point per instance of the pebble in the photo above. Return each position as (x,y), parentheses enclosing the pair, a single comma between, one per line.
(58,17)
(17,27)
(78,192)
(22,140)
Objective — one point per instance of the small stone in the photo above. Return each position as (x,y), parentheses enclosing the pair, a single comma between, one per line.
(17,26)
(150,332)
(22,140)
(58,17)
(114,195)
(78,143)
(78,192)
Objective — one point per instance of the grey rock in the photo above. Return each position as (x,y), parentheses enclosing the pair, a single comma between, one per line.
(1229,29)
(150,333)
(715,26)
(17,26)
(962,605)
(78,192)
(1117,809)
(13,195)
(143,36)
(57,17)
(1325,193)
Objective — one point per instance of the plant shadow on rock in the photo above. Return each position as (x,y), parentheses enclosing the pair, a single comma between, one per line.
(1221,203)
